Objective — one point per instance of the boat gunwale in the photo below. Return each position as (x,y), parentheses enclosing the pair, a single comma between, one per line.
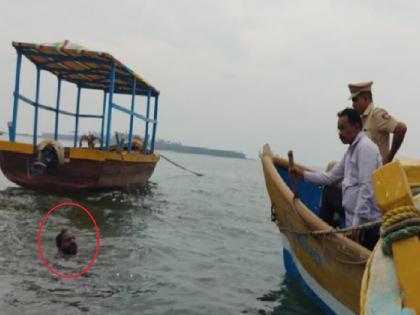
(85,153)
(310,218)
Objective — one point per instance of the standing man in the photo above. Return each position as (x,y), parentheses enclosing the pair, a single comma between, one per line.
(377,123)
(355,170)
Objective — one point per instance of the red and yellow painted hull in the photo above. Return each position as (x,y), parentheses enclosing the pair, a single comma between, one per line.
(83,169)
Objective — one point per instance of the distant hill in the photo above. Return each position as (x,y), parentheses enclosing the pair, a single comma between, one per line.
(172,146)
(178,147)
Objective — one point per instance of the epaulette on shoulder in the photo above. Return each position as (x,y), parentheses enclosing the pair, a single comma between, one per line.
(377,110)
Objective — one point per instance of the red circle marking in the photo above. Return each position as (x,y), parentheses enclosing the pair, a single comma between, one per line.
(98,240)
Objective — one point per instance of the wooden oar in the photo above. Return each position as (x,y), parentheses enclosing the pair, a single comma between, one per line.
(292,175)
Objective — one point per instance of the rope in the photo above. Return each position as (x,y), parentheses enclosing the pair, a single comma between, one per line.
(398,214)
(399,223)
(396,236)
(365,226)
(321,234)
(349,262)
(180,166)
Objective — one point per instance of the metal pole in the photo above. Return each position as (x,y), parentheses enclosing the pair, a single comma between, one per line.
(12,128)
(110,105)
(133,100)
(103,120)
(57,109)
(155,115)
(76,128)
(38,79)
(146,133)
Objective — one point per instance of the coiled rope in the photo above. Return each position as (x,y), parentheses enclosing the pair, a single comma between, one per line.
(398,214)
(399,223)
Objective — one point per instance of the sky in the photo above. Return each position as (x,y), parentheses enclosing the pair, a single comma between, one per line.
(233,74)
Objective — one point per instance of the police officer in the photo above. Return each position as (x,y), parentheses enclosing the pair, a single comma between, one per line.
(377,123)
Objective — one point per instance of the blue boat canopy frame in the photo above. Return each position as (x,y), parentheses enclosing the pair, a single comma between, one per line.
(87,69)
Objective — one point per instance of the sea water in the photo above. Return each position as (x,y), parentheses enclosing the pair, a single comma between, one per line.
(181,245)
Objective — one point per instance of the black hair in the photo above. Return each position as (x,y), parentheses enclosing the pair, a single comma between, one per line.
(59,237)
(352,115)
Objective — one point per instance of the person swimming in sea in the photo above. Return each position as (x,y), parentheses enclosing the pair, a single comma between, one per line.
(66,243)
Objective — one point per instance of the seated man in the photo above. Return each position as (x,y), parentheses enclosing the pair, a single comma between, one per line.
(331,208)
(355,170)
(66,243)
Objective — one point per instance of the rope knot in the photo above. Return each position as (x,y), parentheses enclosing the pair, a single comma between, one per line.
(399,223)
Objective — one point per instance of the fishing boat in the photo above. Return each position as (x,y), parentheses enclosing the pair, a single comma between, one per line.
(50,165)
(328,265)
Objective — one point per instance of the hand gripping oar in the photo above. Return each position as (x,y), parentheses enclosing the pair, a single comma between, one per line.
(292,176)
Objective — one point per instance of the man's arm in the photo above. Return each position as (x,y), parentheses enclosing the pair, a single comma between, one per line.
(397,139)
(326,178)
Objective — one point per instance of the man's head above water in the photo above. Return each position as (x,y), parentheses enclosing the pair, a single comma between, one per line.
(66,242)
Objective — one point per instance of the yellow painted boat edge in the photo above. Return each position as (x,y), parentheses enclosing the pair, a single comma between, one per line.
(85,154)
(17,147)
(392,190)
(412,169)
(97,155)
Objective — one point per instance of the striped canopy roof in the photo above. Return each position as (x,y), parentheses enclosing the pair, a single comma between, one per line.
(86,68)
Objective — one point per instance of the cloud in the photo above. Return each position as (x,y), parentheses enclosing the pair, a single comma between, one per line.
(239,73)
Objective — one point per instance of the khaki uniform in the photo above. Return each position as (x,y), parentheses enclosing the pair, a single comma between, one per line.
(377,125)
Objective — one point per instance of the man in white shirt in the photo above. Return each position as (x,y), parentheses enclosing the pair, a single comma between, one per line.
(355,170)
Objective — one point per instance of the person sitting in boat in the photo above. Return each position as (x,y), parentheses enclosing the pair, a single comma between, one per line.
(331,209)
(90,138)
(355,169)
(66,243)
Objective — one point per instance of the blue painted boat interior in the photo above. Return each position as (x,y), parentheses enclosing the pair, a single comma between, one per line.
(309,194)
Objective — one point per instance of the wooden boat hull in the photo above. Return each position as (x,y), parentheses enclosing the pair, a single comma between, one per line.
(84,169)
(329,267)
(391,279)
(381,292)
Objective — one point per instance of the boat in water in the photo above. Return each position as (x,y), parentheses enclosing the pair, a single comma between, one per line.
(49,165)
(391,281)
(328,265)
